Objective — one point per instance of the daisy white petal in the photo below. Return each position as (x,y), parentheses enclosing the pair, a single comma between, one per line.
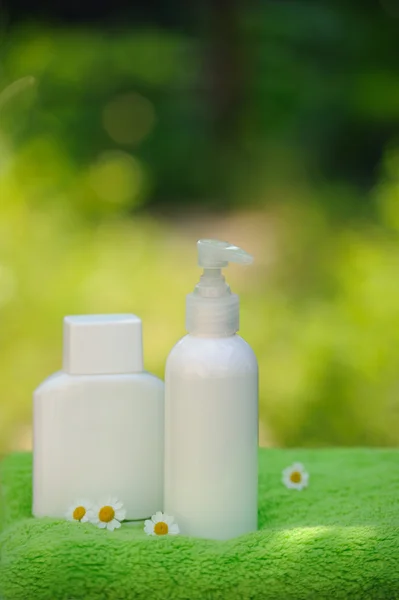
(290,485)
(298,466)
(120,514)
(168,520)
(157,517)
(149,527)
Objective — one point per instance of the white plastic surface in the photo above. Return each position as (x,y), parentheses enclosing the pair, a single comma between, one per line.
(99,425)
(211,437)
(102,344)
(97,436)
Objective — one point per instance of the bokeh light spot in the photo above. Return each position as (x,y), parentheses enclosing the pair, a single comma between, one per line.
(117,177)
(128,118)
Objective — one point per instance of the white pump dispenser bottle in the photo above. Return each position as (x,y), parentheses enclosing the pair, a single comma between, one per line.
(211,410)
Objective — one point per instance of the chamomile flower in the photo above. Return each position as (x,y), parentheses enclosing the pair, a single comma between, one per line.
(295,477)
(161,524)
(108,515)
(79,511)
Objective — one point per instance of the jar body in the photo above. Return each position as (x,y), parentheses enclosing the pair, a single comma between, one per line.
(211,437)
(96,436)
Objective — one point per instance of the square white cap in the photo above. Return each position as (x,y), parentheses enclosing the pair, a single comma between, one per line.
(102,344)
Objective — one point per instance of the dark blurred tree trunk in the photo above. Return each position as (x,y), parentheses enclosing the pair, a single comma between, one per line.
(225,67)
(227,89)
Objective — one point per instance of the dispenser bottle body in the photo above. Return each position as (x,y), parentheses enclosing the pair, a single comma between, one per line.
(97,436)
(211,436)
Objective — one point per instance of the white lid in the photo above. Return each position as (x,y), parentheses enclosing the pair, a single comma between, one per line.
(212,309)
(102,344)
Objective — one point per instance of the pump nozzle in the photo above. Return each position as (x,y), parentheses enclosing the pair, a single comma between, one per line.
(212,309)
(214,254)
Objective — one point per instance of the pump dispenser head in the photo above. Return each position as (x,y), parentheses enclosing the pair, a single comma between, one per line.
(213,254)
(212,310)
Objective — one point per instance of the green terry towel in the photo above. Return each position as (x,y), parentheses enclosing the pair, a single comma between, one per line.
(339,538)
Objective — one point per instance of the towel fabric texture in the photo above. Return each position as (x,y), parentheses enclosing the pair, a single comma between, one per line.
(337,539)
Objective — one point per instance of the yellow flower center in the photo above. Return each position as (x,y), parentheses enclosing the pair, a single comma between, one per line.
(106,514)
(296,477)
(79,513)
(161,528)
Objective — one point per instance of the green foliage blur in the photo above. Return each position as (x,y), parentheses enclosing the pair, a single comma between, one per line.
(119,149)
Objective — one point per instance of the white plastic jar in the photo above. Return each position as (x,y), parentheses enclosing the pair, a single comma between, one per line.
(98,424)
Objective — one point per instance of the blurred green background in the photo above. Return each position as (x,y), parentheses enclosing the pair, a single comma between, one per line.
(274,125)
